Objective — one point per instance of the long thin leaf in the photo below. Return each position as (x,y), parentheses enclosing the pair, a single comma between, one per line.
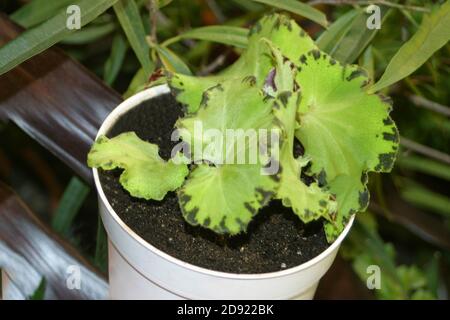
(36,40)
(39,293)
(357,38)
(37,11)
(89,34)
(234,36)
(297,7)
(425,165)
(101,247)
(130,19)
(330,38)
(115,60)
(171,61)
(248,5)
(138,82)
(375,246)
(425,198)
(70,204)
(433,34)
(367,62)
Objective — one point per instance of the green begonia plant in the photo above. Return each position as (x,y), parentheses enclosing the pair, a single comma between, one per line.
(281,83)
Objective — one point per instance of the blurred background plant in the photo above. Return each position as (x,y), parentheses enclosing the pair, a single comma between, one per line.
(406,231)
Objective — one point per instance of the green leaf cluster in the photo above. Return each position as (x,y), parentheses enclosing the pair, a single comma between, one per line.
(282,83)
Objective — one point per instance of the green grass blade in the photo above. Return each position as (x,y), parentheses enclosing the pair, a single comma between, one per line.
(101,247)
(39,293)
(367,61)
(115,60)
(130,19)
(37,11)
(330,38)
(357,38)
(249,6)
(432,35)
(138,82)
(89,34)
(425,165)
(424,198)
(71,202)
(297,7)
(234,36)
(171,61)
(36,40)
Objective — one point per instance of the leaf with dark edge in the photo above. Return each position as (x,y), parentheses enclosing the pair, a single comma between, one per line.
(345,131)
(308,202)
(224,194)
(254,63)
(145,174)
(232,105)
(225,198)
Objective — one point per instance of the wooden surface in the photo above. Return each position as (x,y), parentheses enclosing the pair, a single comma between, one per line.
(56,101)
(30,251)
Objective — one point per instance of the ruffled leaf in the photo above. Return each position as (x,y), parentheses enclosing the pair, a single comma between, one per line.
(225,198)
(236,107)
(145,174)
(255,62)
(225,194)
(308,202)
(345,131)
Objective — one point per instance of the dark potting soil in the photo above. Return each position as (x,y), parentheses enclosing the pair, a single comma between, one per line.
(276,239)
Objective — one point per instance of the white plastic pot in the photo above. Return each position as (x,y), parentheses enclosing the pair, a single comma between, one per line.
(138,270)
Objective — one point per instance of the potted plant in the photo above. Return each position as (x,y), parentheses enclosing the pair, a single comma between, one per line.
(244,184)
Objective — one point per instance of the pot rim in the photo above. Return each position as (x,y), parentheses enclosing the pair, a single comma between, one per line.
(110,120)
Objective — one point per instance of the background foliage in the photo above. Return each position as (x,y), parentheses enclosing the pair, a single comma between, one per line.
(407,227)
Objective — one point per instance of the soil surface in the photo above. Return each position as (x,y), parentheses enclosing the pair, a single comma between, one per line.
(276,238)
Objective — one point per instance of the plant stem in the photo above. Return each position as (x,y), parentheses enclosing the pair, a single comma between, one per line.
(153,8)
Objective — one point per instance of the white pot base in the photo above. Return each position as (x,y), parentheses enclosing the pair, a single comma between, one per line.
(126,283)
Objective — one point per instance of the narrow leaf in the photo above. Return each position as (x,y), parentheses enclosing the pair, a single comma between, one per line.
(39,293)
(425,198)
(37,11)
(357,38)
(330,38)
(130,19)
(89,34)
(71,202)
(425,165)
(101,247)
(432,35)
(171,61)
(297,7)
(52,31)
(137,83)
(115,60)
(234,36)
